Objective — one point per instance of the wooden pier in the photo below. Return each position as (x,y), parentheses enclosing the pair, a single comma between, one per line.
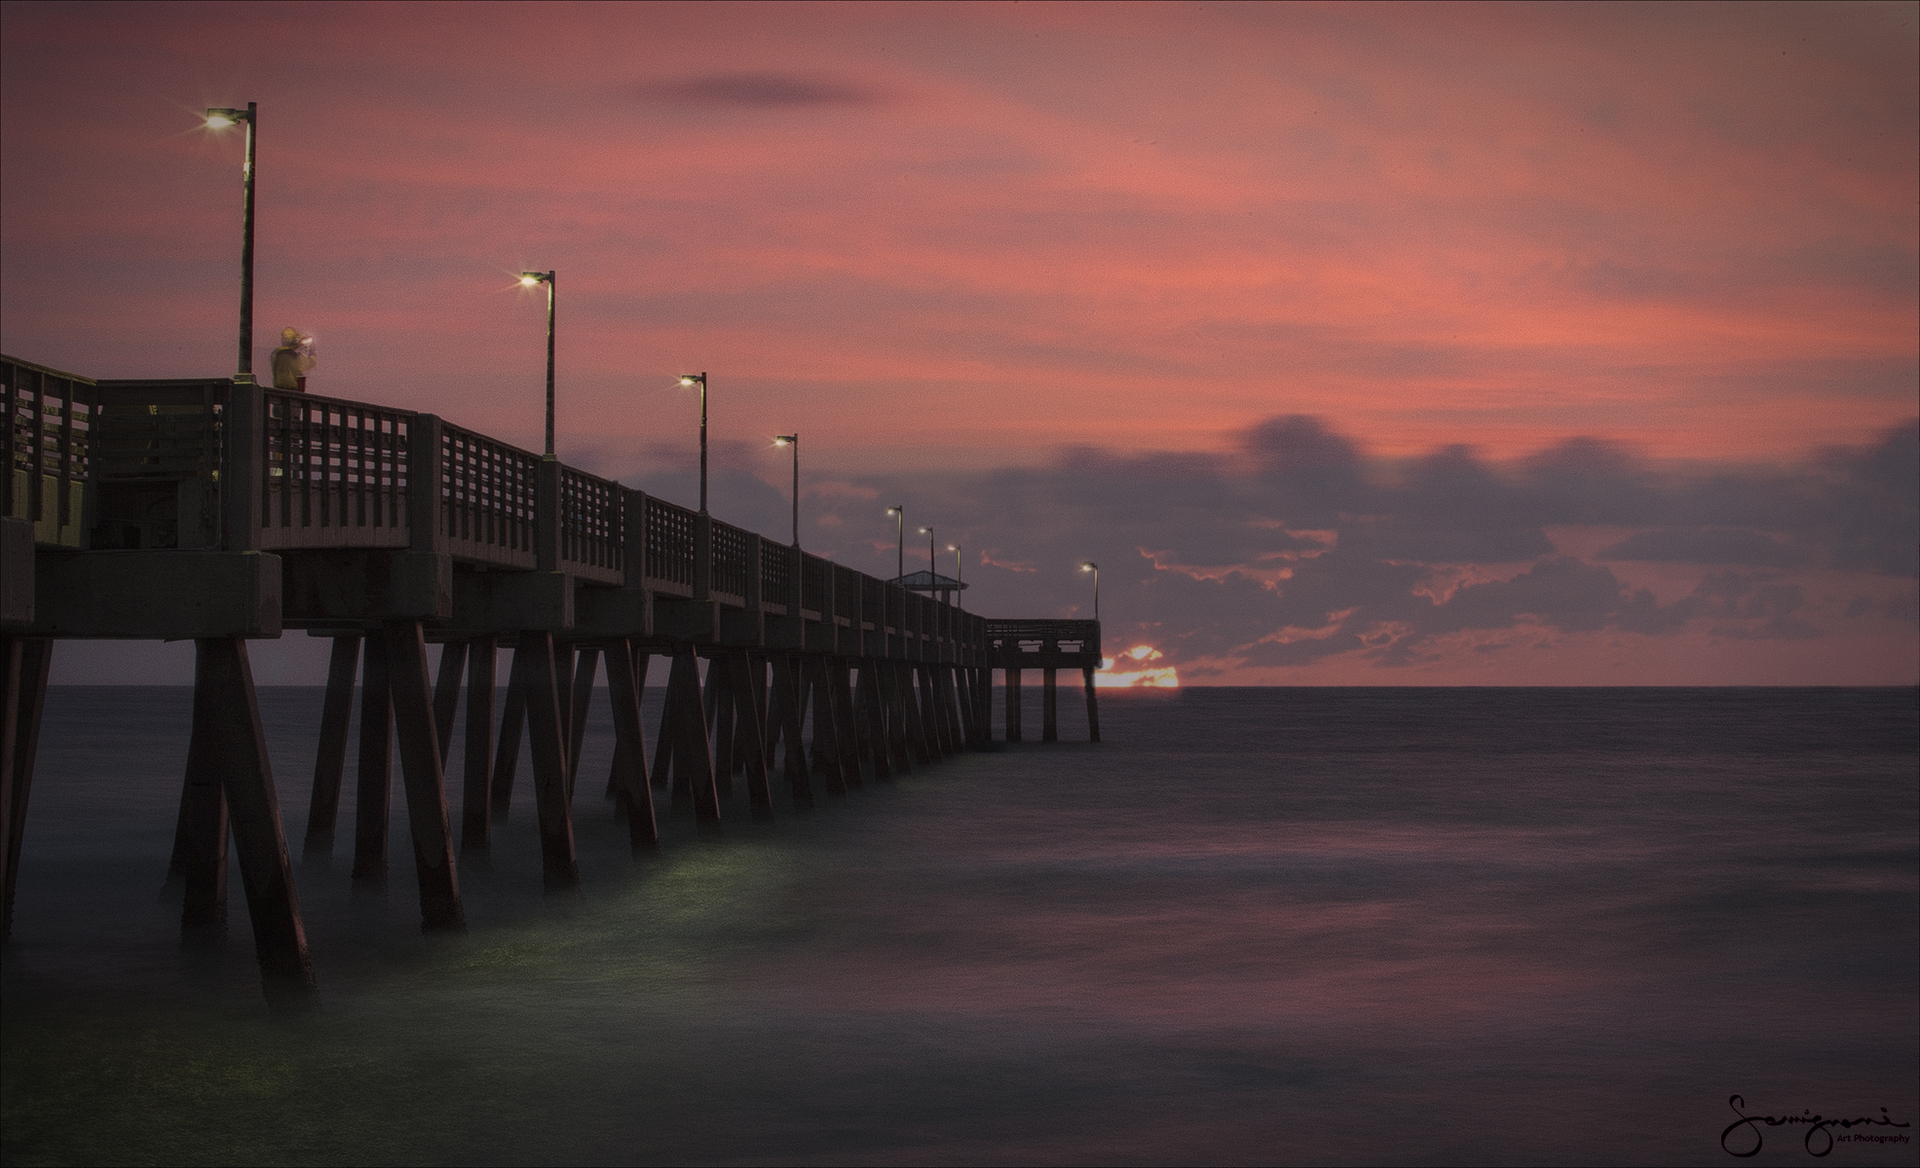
(223,512)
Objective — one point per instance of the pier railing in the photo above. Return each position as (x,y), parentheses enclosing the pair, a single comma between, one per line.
(204,464)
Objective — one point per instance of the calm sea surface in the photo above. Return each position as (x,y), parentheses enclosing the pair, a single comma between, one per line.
(1254,926)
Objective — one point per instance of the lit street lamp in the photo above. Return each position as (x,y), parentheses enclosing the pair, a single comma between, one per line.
(900,515)
(959,574)
(793,440)
(700,379)
(1090,566)
(529,280)
(221,119)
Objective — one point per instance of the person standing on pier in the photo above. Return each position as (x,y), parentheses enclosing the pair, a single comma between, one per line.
(292,360)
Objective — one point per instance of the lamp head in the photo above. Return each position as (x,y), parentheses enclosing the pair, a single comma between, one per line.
(926,531)
(1089,566)
(529,279)
(693,379)
(896,511)
(785,439)
(953,547)
(224,119)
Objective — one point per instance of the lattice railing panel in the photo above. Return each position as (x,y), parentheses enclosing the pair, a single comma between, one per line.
(591,532)
(52,443)
(488,492)
(729,567)
(335,473)
(669,544)
(846,593)
(813,582)
(776,574)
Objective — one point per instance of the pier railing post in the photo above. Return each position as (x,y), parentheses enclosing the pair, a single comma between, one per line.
(703,557)
(546,517)
(425,527)
(244,432)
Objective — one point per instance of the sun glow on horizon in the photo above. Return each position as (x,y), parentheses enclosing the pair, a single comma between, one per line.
(1130,671)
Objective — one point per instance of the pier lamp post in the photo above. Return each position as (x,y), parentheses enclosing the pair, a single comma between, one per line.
(1090,566)
(933,562)
(221,119)
(900,516)
(793,440)
(959,573)
(530,280)
(689,380)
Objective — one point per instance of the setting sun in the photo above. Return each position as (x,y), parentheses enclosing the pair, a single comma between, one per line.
(1130,671)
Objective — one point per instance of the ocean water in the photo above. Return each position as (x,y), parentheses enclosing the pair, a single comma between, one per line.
(1370,926)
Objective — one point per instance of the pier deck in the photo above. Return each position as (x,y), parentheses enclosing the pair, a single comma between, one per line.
(223,512)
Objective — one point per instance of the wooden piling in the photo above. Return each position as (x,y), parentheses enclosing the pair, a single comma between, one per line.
(633,798)
(534,676)
(226,718)
(476,802)
(330,760)
(374,781)
(424,777)
(1050,707)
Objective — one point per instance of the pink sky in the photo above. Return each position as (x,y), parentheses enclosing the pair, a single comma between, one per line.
(954,244)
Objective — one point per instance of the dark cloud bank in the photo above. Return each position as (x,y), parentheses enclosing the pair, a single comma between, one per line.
(1295,548)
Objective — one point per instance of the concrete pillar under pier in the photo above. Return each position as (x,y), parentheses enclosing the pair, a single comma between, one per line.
(506,756)
(476,804)
(374,782)
(1050,706)
(534,677)
(1013,703)
(626,679)
(226,718)
(1093,706)
(424,777)
(330,760)
(26,663)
